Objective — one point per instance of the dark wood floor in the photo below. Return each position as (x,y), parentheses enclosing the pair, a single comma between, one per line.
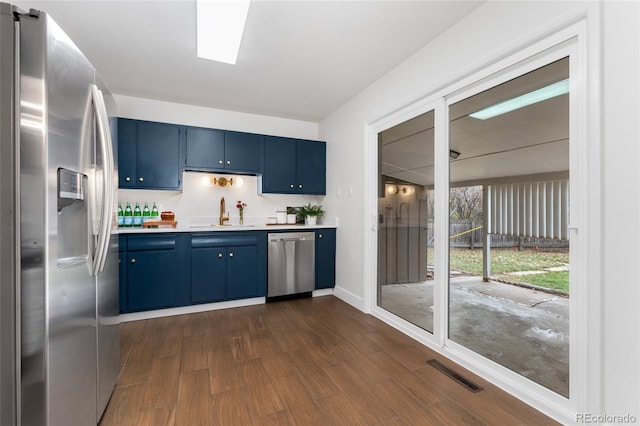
(301,362)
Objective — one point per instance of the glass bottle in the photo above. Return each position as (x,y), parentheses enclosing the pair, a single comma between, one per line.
(120,216)
(146,213)
(137,216)
(154,211)
(128,216)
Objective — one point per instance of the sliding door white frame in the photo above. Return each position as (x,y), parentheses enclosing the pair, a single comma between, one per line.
(580,42)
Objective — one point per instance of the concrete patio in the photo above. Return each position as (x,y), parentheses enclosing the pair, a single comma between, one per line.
(523,329)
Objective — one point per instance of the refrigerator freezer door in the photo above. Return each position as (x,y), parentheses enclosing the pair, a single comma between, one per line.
(58,321)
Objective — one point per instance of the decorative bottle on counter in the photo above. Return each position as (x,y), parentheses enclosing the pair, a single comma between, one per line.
(154,211)
(120,216)
(146,213)
(137,216)
(128,216)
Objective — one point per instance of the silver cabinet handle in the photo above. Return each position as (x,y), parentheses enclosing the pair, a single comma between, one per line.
(219,254)
(228,162)
(291,185)
(230,254)
(300,186)
(220,161)
(140,179)
(133,261)
(128,179)
(319,235)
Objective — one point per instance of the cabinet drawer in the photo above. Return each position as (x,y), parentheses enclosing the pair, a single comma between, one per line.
(151,242)
(223,240)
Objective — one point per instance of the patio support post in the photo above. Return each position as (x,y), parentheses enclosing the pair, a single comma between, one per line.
(486,236)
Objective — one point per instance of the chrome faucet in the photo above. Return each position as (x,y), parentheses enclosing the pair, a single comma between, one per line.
(223,219)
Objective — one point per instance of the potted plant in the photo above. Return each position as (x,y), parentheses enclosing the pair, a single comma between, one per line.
(311,213)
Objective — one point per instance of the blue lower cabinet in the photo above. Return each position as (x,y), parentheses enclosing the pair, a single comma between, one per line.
(152,276)
(228,266)
(242,272)
(325,258)
(208,275)
(122,264)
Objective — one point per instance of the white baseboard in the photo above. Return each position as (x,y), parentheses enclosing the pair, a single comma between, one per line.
(350,298)
(158,313)
(322,292)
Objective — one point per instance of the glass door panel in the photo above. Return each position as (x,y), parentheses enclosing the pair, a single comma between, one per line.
(405,212)
(508,225)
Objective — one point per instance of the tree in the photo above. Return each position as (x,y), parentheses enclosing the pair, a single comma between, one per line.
(466,202)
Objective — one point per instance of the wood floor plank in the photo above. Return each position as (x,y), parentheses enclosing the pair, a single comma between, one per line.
(402,402)
(278,365)
(276,419)
(453,413)
(230,408)
(194,401)
(339,409)
(138,365)
(315,379)
(253,373)
(194,354)
(262,400)
(124,406)
(300,406)
(170,341)
(242,346)
(162,385)
(223,371)
(165,416)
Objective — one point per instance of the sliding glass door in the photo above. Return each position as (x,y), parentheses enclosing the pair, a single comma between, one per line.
(504,293)
(405,218)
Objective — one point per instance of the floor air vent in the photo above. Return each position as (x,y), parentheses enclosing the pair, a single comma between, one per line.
(455,376)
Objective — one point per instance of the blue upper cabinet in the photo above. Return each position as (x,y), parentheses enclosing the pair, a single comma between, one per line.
(294,166)
(150,155)
(219,150)
(311,167)
(205,149)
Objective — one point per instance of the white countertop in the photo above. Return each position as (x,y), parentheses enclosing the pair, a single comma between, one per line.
(218,228)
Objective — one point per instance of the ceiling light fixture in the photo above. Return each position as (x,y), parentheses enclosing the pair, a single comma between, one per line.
(220,27)
(547,92)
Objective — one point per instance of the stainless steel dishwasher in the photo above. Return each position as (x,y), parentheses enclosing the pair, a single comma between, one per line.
(291,264)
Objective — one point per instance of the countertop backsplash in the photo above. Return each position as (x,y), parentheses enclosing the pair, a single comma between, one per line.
(199,201)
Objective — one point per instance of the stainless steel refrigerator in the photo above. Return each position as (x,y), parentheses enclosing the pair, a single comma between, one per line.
(59,353)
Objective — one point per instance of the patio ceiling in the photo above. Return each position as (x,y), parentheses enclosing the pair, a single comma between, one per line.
(528,141)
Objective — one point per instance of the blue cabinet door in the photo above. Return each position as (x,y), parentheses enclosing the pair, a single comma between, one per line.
(122,263)
(311,167)
(127,153)
(158,154)
(208,274)
(242,267)
(242,151)
(325,258)
(151,278)
(205,149)
(279,167)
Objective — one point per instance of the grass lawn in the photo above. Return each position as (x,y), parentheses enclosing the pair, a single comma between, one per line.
(508,260)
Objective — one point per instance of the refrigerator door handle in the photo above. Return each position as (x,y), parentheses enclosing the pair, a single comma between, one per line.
(107,197)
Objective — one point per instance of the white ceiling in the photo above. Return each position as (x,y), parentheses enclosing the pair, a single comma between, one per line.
(298,59)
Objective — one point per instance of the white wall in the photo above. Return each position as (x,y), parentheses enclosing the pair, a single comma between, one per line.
(621,191)
(170,112)
(197,203)
(476,40)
